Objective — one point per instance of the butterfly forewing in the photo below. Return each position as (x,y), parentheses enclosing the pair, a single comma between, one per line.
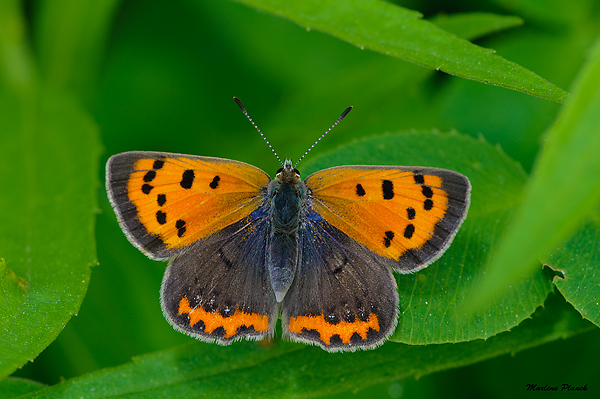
(407,214)
(165,202)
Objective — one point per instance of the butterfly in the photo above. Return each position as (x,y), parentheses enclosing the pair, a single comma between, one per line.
(245,249)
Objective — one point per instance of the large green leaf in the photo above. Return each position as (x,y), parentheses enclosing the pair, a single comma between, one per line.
(563,190)
(50,159)
(578,262)
(47,241)
(287,370)
(392,30)
(12,387)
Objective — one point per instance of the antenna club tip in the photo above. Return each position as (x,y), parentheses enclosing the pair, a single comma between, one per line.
(239,103)
(345,113)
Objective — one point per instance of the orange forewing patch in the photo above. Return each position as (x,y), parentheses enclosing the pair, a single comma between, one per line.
(381,224)
(230,324)
(344,329)
(221,192)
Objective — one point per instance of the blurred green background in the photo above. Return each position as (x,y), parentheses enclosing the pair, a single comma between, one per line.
(165,82)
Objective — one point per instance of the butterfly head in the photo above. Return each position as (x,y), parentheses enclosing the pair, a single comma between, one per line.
(288,174)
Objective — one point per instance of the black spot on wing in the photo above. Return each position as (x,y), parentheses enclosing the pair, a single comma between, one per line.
(149,176)
(360,191)
(158,164)
(146,188)
(215,182)
(187,179)
(180,226)
(387,187)
(427,192)
(409,231)
(428,204)
(387,240)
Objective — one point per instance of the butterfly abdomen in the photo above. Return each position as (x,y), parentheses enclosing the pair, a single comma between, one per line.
(286,202)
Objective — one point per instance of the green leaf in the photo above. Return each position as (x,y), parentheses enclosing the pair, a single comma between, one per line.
(13,290)
(579,261)
(50,159)
(16,67)
(431,301)
(378,107)
(474,25)
(70,39)
(563,190)
(12,387)
(550,11)
(287,370)
(399,32)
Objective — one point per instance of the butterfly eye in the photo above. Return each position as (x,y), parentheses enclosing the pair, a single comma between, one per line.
(296,171)
(279,171)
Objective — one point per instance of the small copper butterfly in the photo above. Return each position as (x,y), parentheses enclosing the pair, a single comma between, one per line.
(242,248)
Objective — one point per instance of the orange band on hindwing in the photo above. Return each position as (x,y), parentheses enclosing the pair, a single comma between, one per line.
(230,324)
(344,329)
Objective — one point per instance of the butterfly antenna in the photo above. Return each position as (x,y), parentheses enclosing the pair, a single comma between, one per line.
(239,103)
(323,135)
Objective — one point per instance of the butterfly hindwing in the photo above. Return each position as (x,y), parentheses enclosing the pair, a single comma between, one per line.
(344,296)
(406,214)
(165,202)
(218,289)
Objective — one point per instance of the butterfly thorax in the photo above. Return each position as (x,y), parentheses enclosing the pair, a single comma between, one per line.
(286,196)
